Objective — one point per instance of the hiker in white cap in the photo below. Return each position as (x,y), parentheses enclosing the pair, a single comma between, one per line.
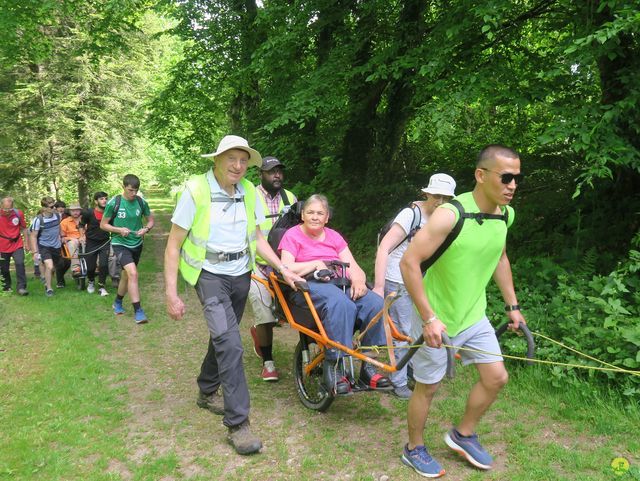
(392,246)
(213,242)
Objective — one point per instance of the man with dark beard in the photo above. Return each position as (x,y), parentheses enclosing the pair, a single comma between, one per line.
(98,244)
(274,198)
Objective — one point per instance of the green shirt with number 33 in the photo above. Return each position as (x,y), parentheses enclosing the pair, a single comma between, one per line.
(129,215)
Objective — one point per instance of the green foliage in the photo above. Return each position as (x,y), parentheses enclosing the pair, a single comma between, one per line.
(596,314)
(73,101)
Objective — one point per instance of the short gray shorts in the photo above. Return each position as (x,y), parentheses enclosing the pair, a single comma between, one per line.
(430,364)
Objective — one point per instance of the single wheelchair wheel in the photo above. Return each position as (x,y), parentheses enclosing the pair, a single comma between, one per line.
(310,389)
(81,283)
(518,345)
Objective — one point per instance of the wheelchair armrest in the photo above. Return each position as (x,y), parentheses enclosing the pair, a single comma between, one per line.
(337,263)
(302,285)
(322,273)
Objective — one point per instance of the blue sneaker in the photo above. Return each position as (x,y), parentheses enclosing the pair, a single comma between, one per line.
(141,317)
(470,448)
(421,461)
(117,307)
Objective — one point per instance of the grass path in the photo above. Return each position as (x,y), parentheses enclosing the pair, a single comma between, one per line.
(85,395)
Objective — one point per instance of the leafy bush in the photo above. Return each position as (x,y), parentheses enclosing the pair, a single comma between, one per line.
(595,314)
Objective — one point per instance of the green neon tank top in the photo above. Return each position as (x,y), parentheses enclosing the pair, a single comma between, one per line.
(456,283)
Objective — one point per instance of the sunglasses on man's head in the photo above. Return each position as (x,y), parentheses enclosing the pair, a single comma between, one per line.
(506,178)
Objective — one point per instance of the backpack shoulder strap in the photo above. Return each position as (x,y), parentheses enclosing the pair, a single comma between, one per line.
(140,203)
(417,218)
(412,227)
(455,232)
(116,208)
(285,197)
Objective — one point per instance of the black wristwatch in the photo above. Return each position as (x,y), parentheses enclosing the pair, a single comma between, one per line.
(513,307)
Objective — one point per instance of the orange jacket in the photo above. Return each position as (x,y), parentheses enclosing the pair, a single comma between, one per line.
(69,228)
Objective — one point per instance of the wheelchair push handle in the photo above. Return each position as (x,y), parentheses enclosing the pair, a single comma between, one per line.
(451,367)
(337,263)
(531,346)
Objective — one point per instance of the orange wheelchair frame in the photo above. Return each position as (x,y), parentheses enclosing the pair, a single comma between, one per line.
(310,350)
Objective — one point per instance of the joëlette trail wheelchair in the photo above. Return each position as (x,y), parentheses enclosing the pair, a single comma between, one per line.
(310,351)
(79,275)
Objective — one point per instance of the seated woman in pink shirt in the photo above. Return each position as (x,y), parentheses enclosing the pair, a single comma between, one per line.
(305,249)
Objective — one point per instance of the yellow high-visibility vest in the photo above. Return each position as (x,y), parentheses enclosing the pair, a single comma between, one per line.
(194,248)
(266,226)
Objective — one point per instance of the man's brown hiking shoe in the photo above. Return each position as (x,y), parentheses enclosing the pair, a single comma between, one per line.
(243,440)
(214,402)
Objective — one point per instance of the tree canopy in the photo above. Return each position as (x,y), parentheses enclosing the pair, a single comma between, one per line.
(370,98)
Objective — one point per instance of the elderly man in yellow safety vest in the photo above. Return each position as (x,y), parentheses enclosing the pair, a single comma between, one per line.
(213,242)
(274,199)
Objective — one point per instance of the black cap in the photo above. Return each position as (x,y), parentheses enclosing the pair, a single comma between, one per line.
(269,163)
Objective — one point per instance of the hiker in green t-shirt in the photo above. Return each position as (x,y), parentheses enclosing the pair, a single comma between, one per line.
(452,297)
(123,218)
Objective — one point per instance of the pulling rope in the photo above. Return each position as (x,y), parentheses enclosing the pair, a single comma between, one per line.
(537,334)
(555,363)
(611,368)
(94,250)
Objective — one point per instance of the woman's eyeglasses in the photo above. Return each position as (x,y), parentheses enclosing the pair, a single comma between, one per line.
(507,177)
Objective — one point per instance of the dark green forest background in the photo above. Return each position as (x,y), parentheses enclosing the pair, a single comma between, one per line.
(363,101)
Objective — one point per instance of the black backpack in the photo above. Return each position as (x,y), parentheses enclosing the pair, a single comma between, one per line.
(116,207)
(479,217)
(288,219)
(415,225)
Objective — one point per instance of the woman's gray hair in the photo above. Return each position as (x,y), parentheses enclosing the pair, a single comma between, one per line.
(318,198)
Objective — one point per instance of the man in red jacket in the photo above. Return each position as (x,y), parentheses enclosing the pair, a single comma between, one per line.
(12,229)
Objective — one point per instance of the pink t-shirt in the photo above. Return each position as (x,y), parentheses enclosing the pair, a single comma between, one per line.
(305,249)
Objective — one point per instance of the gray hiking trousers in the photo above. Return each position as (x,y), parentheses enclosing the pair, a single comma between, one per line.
(223,299)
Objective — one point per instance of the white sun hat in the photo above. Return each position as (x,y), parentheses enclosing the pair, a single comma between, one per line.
(229,142)
(442,184)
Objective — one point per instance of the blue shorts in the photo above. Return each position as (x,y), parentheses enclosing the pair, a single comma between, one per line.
(430,364)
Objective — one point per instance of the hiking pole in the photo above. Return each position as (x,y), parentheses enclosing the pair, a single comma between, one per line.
(451,367)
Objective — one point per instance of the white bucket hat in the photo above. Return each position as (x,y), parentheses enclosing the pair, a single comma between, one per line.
(442,184)
(229,142)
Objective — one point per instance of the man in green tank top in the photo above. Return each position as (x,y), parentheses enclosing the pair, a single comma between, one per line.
(451,298)
(123,217)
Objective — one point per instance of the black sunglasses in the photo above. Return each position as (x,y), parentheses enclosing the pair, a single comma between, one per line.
(507,177)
